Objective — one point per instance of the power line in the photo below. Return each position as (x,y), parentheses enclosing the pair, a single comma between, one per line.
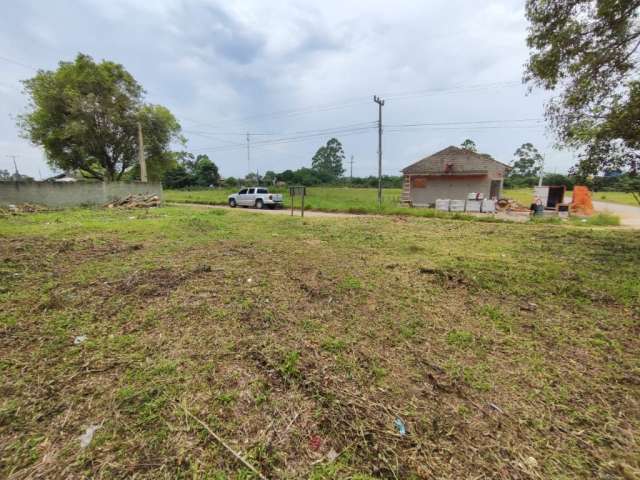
(471,122)
(300,132)
(15,62)
(277,141)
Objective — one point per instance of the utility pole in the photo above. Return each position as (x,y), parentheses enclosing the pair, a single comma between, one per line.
(248,152)
(541,164)
(143,164)
(351,170)
(380,103)
(15,166)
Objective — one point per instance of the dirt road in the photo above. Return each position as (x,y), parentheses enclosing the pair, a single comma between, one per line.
(281,211)
(629,215)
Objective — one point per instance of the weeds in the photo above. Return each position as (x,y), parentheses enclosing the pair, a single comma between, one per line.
(331,341)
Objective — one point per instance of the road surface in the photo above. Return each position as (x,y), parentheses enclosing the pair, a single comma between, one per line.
(629,215)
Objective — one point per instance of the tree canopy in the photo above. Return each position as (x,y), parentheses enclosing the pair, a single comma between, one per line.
(528,161)
(190,171)
(327,161)
(587,50)
(85,116)
(470,145)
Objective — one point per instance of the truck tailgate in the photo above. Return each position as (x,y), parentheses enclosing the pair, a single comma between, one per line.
(276,197)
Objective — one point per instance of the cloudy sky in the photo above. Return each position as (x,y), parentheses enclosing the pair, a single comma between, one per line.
(295,73)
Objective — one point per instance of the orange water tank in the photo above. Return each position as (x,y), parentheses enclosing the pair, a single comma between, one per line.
(581,203)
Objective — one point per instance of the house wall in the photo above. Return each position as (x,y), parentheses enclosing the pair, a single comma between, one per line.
(453,187)
(55,195)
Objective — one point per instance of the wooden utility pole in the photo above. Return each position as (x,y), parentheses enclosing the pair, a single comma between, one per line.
(351,170)
(15,165)
(248,152)
(141,160)
(380,103)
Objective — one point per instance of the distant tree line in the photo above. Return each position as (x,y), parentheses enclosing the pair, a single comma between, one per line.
(326,169)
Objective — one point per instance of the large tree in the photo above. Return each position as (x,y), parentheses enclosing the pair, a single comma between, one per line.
(85,116)
(470,145)
(528,161)
(587,51)
(327,161)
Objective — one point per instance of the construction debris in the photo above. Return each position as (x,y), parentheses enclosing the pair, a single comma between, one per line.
(135,201)
(21,208)
(510,205)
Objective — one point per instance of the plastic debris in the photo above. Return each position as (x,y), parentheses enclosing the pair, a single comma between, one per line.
(87,436)
(399,424)
(249,280)
(79,339)
(332,455)
(315,442)
(531,462)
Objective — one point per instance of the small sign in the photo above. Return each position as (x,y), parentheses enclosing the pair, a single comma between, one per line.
(298,191)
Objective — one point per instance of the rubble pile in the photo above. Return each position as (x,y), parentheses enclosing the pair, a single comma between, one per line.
(22,208)
(135,201)
(510,205)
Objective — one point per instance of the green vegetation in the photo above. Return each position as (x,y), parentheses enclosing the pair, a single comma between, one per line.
(624,198)
(86,116)
(518,338)
(585,52)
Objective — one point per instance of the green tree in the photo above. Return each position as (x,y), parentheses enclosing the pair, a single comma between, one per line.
(85,116)
(327,161)
(587,50)
(269,178)
(470,145)
(205,172)
(528,161)
(178,177)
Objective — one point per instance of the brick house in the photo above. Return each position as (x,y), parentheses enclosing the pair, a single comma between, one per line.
(452,173)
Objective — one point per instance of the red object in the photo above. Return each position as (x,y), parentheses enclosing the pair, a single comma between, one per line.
(315,442)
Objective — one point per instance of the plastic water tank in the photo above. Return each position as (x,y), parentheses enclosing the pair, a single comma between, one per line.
(473,205)
(442,204)
(456,206)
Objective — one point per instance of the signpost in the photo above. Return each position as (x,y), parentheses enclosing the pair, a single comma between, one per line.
(298,191)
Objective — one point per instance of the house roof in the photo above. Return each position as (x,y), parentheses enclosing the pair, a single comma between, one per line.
(453,160)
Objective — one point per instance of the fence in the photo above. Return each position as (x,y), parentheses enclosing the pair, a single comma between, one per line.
(52,194)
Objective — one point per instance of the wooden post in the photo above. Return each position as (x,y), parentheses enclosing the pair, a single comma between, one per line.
(143,164)
(291,195)
(302,209)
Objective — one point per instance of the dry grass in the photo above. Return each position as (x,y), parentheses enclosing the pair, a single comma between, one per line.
(508,351)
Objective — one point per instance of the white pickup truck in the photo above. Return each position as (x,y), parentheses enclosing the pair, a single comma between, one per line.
(258,197)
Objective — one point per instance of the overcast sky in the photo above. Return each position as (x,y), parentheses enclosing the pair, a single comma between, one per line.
(282,67)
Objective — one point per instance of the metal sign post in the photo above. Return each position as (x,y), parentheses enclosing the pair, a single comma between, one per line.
(298,191)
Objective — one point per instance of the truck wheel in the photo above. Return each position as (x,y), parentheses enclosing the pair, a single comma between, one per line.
(259,204)
(232,202)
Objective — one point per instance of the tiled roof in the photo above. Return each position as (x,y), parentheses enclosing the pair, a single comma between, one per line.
(453,160)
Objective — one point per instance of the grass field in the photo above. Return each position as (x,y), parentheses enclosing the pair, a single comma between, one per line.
(328,199)
(364,201)
(524,196)
(506,351)
(616,197)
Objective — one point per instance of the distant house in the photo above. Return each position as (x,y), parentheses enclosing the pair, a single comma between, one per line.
(452,173)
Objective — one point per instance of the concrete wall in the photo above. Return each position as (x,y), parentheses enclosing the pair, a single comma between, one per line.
(455,187)
(451,187)
(52,194)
